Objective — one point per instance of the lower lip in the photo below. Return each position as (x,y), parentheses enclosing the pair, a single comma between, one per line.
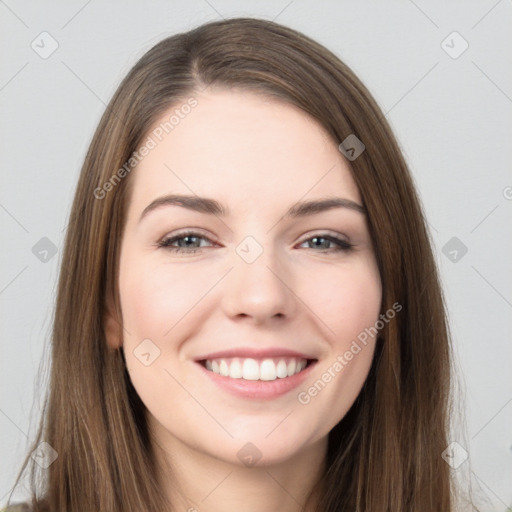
(258,389)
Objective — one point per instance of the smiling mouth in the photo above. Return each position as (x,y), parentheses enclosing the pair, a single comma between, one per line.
(268,369)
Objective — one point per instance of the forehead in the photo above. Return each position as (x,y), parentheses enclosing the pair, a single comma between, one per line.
(241,147)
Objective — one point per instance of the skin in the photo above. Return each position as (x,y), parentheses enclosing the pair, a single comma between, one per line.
(257,157)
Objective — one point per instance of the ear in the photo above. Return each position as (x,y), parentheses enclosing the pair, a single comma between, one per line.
(112,326)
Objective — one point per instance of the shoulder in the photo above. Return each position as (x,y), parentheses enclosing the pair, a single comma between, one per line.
(17,507)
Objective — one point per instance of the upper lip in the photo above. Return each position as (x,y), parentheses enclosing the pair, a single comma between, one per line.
(255,354)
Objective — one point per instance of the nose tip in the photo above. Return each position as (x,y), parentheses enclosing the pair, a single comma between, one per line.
(258,289)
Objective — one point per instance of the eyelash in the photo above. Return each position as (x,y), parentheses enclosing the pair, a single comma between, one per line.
(343,246)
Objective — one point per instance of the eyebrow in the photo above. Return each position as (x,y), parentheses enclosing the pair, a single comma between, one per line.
(213,207)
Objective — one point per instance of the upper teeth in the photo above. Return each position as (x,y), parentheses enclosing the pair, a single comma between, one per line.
(252,369)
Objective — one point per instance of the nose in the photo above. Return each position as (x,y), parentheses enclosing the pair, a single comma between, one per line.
(261,290)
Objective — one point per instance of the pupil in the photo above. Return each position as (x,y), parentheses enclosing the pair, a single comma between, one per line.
(188,239)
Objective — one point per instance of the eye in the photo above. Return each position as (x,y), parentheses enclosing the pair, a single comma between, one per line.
(340,245)
(190,238)
(190,242)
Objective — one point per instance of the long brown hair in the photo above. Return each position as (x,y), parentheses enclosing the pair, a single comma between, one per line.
(385,454)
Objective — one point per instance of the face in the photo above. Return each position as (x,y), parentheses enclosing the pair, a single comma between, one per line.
(222,311)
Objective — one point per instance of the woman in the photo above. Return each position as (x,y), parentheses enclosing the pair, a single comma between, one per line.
(249,313)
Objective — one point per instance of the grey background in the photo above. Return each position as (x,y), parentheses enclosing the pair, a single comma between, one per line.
(452,117)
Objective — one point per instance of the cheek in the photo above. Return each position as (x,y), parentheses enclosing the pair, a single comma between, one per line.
(154,298)
(152,304)
(346,301)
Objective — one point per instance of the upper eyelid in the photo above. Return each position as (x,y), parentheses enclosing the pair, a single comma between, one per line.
(190,232)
